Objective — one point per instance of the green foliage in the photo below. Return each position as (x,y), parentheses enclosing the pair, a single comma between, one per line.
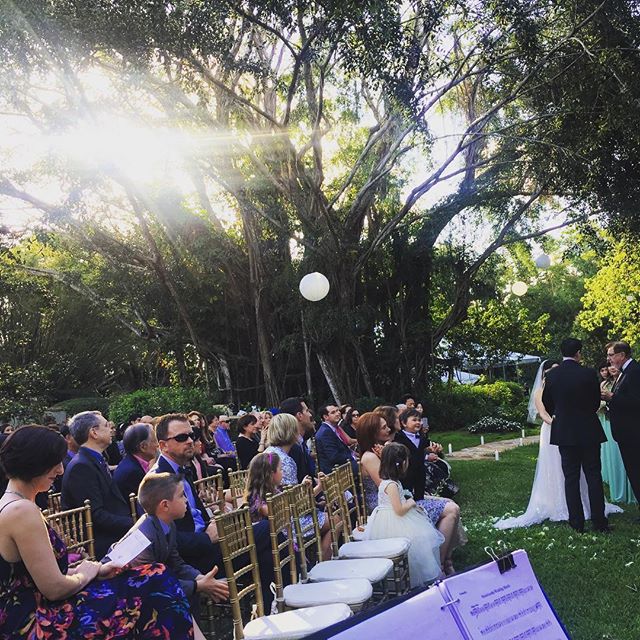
(23,392)
(161,400)
(493,424)
(365,403)
(76,405)
(454,406)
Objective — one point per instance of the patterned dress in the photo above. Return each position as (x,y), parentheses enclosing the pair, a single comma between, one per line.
(146,602)
(290,477)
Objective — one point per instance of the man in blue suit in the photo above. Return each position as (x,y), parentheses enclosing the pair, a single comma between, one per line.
(197,536)
(331,450)
(141,448)
(298,408)
(87,476)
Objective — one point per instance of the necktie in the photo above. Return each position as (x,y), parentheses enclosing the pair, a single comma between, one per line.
(187,472)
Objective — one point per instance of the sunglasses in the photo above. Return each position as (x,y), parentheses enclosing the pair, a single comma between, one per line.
(355,415)
(182,437)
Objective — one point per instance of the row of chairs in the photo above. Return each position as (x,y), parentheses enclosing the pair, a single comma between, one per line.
(330,591)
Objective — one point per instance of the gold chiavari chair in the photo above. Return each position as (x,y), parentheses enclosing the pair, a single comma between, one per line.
(395,549)
(133,506)
(352,592)
(75,527)
(54,502)
(374,570)
(211,493)
(241,567)
(237,482)
(346,483)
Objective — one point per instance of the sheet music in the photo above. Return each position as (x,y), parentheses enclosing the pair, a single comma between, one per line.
(510,606)
(421,617)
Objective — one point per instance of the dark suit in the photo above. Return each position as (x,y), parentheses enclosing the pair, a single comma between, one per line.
(572,396)
(624,414)
(164,549)
(128,475)
(332,451)
(85,478)
(197,549)
(415,478)
(304,462)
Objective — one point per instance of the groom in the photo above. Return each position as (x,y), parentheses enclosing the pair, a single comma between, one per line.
(572,396)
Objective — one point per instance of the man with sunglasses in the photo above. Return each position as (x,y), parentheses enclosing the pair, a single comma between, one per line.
(197,536)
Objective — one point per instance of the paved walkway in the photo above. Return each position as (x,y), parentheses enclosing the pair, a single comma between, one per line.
(489,449)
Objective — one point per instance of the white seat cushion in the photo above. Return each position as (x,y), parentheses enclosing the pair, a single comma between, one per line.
(296,624)
(351,592)
(383,548)
(373,569)
(358,534)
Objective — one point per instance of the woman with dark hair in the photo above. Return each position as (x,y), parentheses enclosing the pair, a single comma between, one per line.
(547,500)
(247,447)
(40,597)
(350,421)
(390,415)
(613,471)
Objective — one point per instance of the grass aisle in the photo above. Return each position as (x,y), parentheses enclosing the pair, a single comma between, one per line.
(592,580)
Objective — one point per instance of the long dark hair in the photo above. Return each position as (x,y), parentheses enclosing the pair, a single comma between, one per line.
(392,462)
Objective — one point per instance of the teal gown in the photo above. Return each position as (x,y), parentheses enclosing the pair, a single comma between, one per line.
(613,472)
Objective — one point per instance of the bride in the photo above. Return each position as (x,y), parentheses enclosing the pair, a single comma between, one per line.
(547,501)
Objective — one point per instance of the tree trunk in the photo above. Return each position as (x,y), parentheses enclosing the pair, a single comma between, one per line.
(328,368)
(364,371)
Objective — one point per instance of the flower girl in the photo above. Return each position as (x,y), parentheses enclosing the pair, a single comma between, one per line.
(396,516)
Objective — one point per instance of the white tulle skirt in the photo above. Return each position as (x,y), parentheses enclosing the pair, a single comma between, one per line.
(548,501)
(424,553)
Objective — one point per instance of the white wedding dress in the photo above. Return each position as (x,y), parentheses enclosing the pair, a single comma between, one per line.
(547,501)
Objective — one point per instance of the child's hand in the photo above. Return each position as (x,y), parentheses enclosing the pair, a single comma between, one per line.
(212,532)
(307,480)
(432,457)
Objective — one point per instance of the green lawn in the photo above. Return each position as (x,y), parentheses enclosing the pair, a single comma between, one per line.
(592,580)
(462,438)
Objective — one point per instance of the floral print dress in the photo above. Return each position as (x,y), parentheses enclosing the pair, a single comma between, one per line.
(145,602)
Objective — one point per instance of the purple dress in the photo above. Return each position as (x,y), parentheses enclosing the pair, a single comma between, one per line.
(145,602)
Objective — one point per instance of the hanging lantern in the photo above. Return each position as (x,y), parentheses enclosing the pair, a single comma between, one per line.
(519,288)
(314,286)
(543,261)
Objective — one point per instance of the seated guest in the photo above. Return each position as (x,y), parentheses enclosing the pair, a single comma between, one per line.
(202,465)
(113,452)
(331,449)
(72,445)
(163,499)
(39,596)
(246,445)
(197,537)
(444,513)
(283,434)
(87,477)
(390,415)
(141,449)
(349,422)
(227,457)
(305,464)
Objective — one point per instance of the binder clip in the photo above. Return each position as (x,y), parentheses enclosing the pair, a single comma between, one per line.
(505,563)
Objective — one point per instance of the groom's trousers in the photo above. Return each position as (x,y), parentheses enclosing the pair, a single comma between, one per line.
(587,458)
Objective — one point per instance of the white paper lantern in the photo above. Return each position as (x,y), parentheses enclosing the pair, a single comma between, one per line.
(543,261)
(314,286)
(519,288)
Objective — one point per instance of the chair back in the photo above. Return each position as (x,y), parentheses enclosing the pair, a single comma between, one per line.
(346,482)
(54,502)
(302,503)
(237,482)
(133,506)
(75,527)
(335,510)
(211,492)
(362,496)
(282,548)
(240,559)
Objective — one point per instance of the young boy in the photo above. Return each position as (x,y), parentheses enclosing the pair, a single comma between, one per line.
(162,497)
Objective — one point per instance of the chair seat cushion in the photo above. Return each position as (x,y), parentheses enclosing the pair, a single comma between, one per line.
(351,592)
(383,548)
(296,624)
(373,569)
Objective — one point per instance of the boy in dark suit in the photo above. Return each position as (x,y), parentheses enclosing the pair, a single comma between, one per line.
(163,499)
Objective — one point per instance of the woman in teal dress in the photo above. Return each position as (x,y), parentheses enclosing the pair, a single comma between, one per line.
(41,598)
(613,472)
